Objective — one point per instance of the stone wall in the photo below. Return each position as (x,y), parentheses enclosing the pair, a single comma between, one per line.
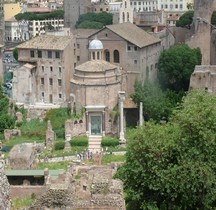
(204,77)
(5,203)
(23,191)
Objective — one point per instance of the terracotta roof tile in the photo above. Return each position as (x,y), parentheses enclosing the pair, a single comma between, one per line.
(45,42)
(133,34)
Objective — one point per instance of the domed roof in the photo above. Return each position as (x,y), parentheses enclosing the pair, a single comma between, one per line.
(95,44)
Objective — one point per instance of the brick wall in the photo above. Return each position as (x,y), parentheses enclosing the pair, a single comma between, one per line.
(22,191)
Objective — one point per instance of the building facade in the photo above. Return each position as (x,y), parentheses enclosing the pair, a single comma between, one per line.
(47,68)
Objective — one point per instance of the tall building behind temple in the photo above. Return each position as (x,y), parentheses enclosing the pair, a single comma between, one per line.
(73,9)
(2,29)
(2,22)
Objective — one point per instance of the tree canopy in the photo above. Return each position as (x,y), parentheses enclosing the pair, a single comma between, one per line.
(187,18)
(176,65)
(57,14)
(6,120)
(157,104)
(94,20)
(172,166)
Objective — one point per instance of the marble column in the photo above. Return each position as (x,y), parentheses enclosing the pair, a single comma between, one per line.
(103,124)
(121,109)
(87,123)
(141,114)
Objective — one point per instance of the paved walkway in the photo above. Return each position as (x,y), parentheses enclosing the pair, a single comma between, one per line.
(72,158)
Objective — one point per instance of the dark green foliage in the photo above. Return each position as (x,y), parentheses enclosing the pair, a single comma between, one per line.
(90,25)
(94,20)
(109,142)
(59,145)
(157,104)
(57,14)
(176,65)
(172,166)
(15,53)
(6,120)
(34,128)
(79,141)
(58,118)
(185,20)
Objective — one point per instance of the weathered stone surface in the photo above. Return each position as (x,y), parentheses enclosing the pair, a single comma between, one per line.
(8,134)
(5,203)
(50,135)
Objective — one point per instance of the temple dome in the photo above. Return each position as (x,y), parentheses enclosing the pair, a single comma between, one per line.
(95,44)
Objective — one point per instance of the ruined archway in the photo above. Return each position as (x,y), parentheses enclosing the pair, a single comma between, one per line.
(202,21)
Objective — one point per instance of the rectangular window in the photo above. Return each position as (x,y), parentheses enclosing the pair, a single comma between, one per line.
(135,48)
(129,48)
(42,94)
(32,54)
(49,54)
(135,61)
(50,81)
(39,54)
(78,58)
(59,82)
(42,81)
(51,69)
(57,54)
(60,95)
(42,67)
(78,46)
(60,70)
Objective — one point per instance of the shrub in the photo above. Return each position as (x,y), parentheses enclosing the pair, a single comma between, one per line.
(109,142)
(79,141)
(59,145)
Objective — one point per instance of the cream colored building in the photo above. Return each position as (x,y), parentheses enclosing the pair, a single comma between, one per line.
(11,9)
(46,72)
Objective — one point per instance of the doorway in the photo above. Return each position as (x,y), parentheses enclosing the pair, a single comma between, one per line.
(95,125)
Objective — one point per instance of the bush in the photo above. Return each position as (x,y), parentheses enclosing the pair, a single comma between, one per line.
(59,145)
(109,142)
(79,141)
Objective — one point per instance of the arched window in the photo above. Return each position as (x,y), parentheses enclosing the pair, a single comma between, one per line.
(128,19)
(98,55)
(107,55)
(93,55)
(116,56)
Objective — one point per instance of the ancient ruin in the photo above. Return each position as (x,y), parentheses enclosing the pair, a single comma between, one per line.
(5,203)
(83,188)
(204,75)
(50,136)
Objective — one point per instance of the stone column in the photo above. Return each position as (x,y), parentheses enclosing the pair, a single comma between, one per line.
(141,114)
(103,124)
(121,109)
(87,123)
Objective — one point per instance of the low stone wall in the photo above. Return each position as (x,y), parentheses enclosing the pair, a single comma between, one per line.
(23,191)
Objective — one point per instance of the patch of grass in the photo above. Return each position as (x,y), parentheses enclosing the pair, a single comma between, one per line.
(34,128)
(19,203)
(54,166)
(112,158)
(22,139)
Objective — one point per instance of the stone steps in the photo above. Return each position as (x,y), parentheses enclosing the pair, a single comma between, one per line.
(94,143)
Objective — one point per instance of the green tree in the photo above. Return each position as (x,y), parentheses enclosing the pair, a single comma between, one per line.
(172,166)
(99,19)
(6,120)
(176,65)
(186,19)
(15,53)
(157,104)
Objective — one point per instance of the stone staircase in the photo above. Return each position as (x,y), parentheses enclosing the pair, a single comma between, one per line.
(94,143)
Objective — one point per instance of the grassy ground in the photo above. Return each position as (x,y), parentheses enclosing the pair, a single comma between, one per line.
(63,165)
(20,203)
